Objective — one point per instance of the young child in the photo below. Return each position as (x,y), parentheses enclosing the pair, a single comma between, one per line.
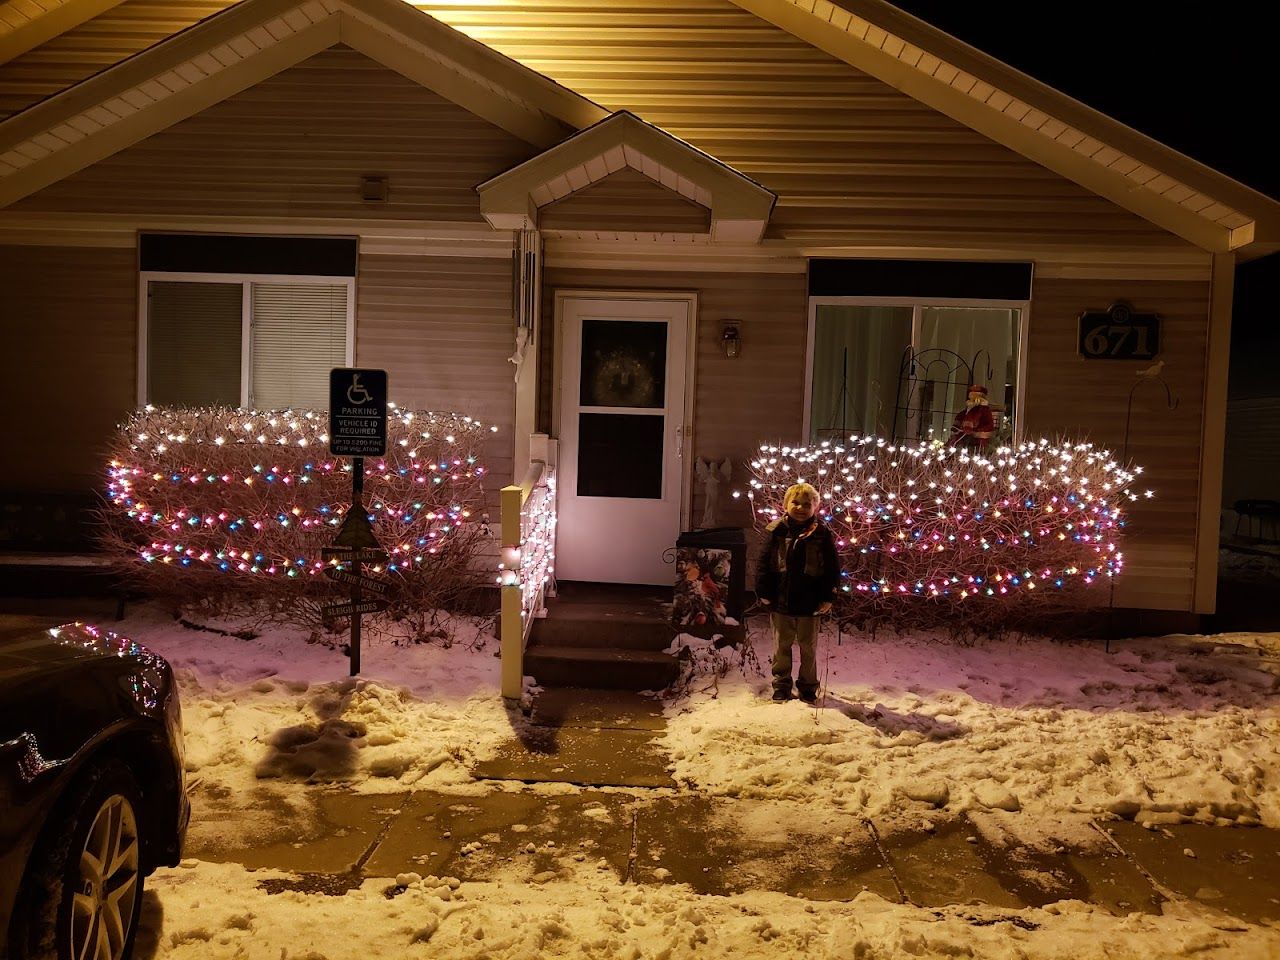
(799,574)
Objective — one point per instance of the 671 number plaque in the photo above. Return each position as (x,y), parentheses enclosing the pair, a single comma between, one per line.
(1119,334)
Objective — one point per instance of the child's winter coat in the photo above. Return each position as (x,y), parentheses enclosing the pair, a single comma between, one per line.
(799,569)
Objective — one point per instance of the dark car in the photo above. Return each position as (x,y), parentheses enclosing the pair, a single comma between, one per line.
(92,793)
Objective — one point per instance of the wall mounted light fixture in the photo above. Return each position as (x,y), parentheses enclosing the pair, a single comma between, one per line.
(731,339)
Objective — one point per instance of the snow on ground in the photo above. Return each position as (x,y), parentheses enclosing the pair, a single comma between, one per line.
(1164,729)
(217,911)
(279,707)
(1158,729)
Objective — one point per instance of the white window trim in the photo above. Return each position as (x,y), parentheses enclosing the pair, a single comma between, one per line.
(917,304)
(145,277)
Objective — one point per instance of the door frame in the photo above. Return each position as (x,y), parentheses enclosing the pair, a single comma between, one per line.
(690,299)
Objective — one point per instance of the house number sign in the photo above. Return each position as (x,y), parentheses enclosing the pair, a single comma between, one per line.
(1119,334)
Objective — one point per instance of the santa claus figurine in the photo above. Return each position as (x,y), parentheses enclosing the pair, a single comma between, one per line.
(974,426)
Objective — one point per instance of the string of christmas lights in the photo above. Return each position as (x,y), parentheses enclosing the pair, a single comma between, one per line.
(537,544)
(931,520)
(255,494)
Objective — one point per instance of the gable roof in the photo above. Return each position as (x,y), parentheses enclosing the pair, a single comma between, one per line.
(256,38)
(1156,182)
(247,43)
(739,206)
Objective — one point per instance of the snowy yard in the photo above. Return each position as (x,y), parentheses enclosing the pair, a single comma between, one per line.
(912,730)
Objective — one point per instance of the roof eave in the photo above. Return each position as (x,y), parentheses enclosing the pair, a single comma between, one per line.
(1149,179)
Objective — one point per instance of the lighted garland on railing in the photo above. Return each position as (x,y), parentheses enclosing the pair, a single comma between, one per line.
(537,542)
(255,494)
(932,521)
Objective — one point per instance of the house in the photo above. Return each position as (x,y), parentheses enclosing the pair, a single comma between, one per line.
(656,230)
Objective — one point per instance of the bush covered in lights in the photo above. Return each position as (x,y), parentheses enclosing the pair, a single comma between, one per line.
(932,534)
(229,507)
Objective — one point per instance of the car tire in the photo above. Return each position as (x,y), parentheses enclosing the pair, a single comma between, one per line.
(86,875)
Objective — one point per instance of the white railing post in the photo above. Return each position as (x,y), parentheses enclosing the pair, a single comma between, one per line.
(511,629)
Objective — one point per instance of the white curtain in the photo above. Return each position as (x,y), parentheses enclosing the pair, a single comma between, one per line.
(985,338)
(857,355)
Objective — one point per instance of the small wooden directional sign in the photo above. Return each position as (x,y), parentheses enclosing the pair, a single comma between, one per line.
(364,583)
(347,555)
(351,609)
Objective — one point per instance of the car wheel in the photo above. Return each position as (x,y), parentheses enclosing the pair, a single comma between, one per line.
(84,888)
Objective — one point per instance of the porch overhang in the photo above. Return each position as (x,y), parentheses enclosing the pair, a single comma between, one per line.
(739,206)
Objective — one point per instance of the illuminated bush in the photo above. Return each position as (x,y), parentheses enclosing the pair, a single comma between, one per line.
(227,507)
(931,533)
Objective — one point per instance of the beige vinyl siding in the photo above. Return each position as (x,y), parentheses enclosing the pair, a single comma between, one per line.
(759,396)
(1067,395)
(853,160)
(69,324)
(297,145)
(626,202)
(441,327)
(738,403)
(81,52)
(1253,450)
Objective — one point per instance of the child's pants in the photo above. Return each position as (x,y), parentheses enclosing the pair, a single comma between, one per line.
(786,631)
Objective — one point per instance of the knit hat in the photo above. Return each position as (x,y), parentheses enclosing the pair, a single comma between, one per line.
(978,388)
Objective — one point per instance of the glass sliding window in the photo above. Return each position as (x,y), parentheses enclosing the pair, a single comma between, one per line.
(902,371)
(236,342)
(193,343)
(857,352)
(299,333)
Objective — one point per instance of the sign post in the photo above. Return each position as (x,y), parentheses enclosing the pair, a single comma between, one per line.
(357,429)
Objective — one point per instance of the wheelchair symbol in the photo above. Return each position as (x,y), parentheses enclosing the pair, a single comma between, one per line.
(357,389)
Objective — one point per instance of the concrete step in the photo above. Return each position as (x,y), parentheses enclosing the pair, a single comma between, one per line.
(607,668)
(602,625)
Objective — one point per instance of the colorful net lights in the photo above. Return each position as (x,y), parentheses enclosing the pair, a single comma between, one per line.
(930,520)
(243,492)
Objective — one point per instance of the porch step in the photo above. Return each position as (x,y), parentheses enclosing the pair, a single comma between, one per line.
(602,625)
(607,668)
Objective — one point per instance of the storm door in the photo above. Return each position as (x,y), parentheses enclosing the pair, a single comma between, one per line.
(622,407)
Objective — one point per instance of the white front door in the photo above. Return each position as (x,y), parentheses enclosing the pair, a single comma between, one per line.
(622,406)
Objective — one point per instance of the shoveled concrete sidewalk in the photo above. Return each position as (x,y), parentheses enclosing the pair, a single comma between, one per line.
(611,806)
(724,846)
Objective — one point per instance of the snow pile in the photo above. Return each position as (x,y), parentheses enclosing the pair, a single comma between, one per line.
(216,911)
(277,707)
(1171,729)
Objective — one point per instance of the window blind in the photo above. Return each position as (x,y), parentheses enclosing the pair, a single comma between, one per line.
(193,343)
(298,334)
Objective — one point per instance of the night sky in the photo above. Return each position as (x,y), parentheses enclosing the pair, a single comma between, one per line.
(1207,90)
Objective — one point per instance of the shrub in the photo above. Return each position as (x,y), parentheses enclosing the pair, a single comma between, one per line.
(228,509)
(929,534)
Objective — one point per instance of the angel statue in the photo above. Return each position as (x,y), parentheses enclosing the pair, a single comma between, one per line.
(711,475)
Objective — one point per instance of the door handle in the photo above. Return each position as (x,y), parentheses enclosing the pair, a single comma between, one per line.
(680,442)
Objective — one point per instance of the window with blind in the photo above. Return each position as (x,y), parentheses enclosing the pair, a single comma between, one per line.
(266,344)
